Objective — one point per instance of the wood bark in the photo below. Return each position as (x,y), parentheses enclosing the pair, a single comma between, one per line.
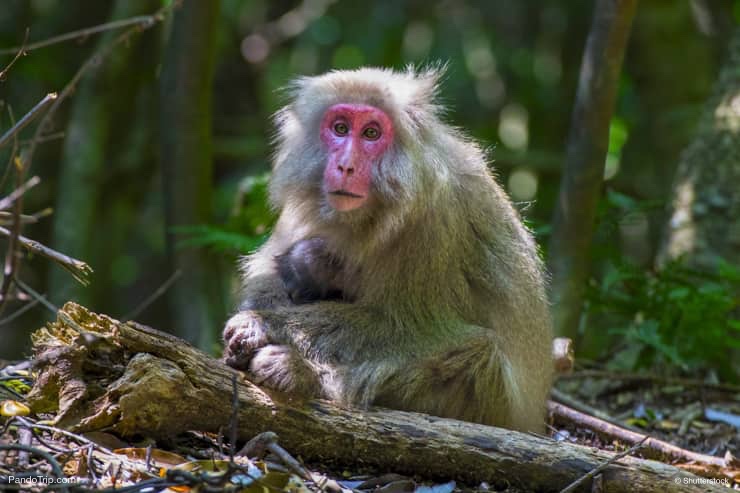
(101,374)
(580,186)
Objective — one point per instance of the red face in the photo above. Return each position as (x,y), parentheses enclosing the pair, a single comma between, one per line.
(356,136)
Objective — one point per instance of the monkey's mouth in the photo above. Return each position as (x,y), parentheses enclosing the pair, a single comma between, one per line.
(343,201)
(344,193)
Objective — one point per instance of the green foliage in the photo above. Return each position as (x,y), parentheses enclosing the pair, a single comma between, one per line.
(246,228)
(618,133)
(674,317)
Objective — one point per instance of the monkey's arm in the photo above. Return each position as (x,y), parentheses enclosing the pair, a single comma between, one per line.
(319,340)
(333,352)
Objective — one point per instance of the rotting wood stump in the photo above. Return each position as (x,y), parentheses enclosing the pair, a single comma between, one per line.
(100,374)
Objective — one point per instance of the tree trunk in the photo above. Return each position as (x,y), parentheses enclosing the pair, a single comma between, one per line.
(101,119)
(580,187)
(124,377)
(704,223)
(187,163)
(664,36)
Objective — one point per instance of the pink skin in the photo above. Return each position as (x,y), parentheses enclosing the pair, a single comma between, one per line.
(356,136)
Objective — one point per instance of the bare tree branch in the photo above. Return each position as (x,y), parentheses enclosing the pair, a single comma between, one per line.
(142,21)
(153,297)
(79,269)
(19,53)
(15,194)
(27,118)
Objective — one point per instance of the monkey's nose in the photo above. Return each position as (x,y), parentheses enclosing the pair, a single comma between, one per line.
(346,169)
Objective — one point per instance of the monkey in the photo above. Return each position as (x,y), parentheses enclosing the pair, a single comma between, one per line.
(310,272)
(399,273)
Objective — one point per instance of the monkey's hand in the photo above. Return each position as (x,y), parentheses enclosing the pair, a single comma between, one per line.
(282,368)
(244,334)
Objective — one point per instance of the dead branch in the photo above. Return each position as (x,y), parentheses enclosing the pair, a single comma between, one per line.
(28,118)
(567,400)
(98,373)
(652,447)
(8,200)
(141,21)
(167,284)
(79,269)
(572,486)
(18,53)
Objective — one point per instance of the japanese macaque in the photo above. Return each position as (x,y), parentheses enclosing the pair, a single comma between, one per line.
(310,272)
(399,274)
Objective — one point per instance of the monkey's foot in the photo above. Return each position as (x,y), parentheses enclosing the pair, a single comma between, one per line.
(243,335)
(282,368)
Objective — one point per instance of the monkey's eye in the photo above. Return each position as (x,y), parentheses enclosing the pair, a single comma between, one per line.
(371,133)
(341,128)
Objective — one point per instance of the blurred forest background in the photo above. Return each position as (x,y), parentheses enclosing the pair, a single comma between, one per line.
(156,164)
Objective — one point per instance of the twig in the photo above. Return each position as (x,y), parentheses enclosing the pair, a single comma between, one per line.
(20,311)
(45,138)
(654,448)
(61,431)
(687,382)
(28,118)
(79,269)
(61,314)
(267,441)
(55,467)
(13,152)
(13,196)
(565,399)
(143,21)
(153,297)
(42,299)
(25,437)
(11,257)
(19,53)
(572,486)
(25,218)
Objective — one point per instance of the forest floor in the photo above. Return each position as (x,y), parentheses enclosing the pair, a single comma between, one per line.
(701,419)
(698,417)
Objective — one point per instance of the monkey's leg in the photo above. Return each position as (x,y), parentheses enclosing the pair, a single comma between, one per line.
(282,368)
(476,380)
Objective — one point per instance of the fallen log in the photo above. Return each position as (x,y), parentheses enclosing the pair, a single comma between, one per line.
(98,374)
